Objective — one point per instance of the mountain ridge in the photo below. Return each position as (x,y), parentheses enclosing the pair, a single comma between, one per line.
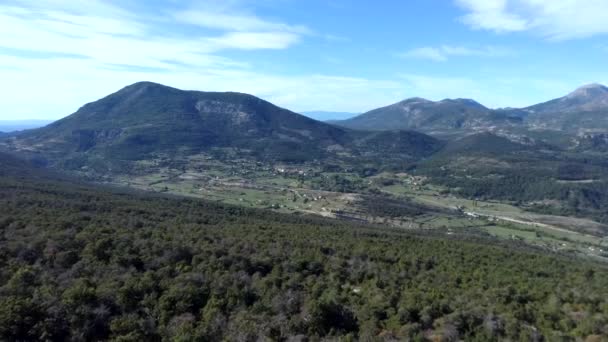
(439,117)
(147,120)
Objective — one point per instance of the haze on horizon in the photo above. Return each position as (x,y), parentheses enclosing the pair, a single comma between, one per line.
(315,55)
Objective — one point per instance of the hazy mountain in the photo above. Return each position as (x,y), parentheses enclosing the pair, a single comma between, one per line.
(397,143)
(587,98)
(486,143)
(8,126)
(429,116)
(329,116)
(585,109)
(147,120)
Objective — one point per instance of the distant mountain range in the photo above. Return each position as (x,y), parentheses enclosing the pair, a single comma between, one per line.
(148,120)
(583,110)
(430,117)
(8,126)
(554,150)
(329,116)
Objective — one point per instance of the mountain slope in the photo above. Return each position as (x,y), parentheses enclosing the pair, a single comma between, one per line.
(585,109)
(428,116)
(146,118)
(147,121)
(405,144)
(483,143)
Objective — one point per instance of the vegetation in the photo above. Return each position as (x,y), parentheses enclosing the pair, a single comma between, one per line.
(485,166)
(84,263)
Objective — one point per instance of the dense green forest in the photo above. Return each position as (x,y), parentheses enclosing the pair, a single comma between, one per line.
(84,263)
(485,166)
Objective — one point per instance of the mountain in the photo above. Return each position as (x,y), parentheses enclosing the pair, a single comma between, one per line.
(146,121)
(9,162)
(18,168)
(585,109)
(483,143)
(329,116)
(8,126)
(592,142)
(429,116)
(398,143)
(146,118)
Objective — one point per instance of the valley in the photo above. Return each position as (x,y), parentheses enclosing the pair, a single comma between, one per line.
(489,175)
(211,214)
(410,202)
(304,171)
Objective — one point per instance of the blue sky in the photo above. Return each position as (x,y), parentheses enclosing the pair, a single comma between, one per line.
(333,55)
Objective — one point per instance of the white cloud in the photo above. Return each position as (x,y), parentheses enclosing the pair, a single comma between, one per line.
(235,22)
(43,88)
(553,19)
(431,53)
(60,53)
(254,40)
(444,52)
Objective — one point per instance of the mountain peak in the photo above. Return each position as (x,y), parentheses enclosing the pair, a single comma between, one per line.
(466,102)
(589,90)
(593,86)
(414,100)
(146,86)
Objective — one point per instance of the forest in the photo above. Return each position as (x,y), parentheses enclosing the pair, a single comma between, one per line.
(89,263)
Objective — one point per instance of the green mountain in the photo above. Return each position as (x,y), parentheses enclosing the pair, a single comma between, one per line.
(585,109)
(592,142)
(397,143)
(430,117)
(147,120)
(11,164)
(484,143)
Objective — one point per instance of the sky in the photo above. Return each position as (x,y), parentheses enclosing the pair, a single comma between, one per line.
(304,55)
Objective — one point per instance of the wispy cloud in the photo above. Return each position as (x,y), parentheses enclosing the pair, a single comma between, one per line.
(444,52)
(115,48)
(253,40)
(64,51)
(113,36)
(235,22)
(556,20)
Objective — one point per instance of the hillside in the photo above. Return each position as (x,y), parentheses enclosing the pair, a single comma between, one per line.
(146,118)
(410,145)
(80,262)
(483,143)
(585,109)
(429,116)
(147,121)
